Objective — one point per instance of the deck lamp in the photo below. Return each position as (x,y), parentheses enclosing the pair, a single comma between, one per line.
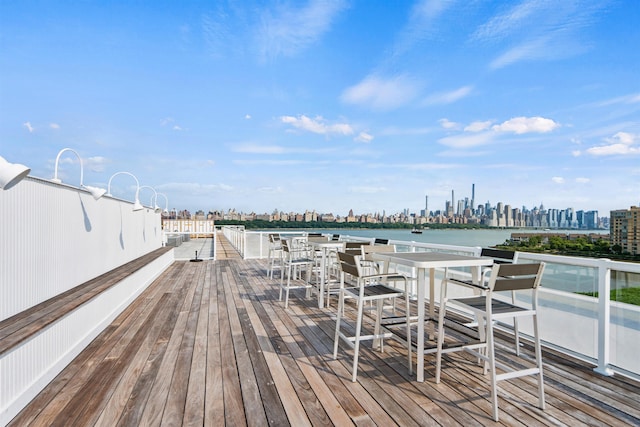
(166,204)
(154,199)
(137,206)
(11,173)
(96,192)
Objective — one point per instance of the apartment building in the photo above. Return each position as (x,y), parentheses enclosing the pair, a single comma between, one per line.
(625,229)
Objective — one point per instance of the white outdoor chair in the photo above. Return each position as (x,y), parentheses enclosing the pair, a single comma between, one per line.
(274,260)
(367,288)
(295,259)
(488,310)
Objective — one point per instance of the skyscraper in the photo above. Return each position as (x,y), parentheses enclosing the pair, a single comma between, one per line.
(473,197)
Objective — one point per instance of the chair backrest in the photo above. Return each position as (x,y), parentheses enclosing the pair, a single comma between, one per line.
(499,256)
(349,264)
(514,277)
(378,241)
(335,237)
(367,250)
(274,238)
(285,245)
(354,248)
(314,234)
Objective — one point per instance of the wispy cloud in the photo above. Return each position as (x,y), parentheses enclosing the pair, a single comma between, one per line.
(448,124)
(381,93)
(364,137)
(96,163)
(288,29)
(478,126)
(539,30)
(448,97)
(468,140)
(28,126)
(317,125)
(420,24)
(633,98)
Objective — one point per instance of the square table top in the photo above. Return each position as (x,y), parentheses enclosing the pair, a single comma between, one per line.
(432,259)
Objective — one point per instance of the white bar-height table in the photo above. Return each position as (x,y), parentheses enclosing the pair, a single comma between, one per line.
(423,261)
(324,246)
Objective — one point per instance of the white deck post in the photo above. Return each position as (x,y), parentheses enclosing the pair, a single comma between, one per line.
(604,318)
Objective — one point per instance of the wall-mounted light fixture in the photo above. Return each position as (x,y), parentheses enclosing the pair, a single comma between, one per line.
(154,198)
(166,204)
(137,206)
(95,191)
(11,173)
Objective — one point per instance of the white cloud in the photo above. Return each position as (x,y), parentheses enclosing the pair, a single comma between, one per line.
(620,143)
(482,133)
(448,97)
(582,180)
(382,94)
(364,137)
(176,127)
(520,125)
(478,126)
(624,138)
(317,125)
(54,126)
(247,116)
(558,179)
(448,124)
(28,126)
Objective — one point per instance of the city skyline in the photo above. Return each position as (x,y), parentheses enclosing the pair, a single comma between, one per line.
(500,214)
(335,105)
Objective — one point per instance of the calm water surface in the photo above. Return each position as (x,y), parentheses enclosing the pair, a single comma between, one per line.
(444,237)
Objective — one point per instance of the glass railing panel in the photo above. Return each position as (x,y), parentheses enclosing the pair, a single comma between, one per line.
(625,320)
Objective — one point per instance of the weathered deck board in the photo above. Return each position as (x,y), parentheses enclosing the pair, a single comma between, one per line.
(209,343)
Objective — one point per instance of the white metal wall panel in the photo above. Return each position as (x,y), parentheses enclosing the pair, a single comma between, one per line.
(54,237)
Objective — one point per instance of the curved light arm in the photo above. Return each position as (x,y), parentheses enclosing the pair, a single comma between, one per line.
(55,172)
(154,198)
(136,204)
(95,191)
(166,203)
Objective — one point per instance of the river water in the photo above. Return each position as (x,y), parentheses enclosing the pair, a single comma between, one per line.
(458,237)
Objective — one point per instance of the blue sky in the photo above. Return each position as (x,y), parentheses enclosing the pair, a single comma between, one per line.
(329,105)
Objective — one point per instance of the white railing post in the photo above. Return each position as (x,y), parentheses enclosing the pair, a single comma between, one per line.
(215,242)
(243,235)
(604,318)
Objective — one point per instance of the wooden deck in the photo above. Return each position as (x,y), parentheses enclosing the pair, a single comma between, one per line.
(208,343)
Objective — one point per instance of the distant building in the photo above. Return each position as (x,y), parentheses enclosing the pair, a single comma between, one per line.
(624,229)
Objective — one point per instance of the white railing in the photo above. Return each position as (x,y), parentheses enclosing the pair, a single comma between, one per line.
(594,329)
